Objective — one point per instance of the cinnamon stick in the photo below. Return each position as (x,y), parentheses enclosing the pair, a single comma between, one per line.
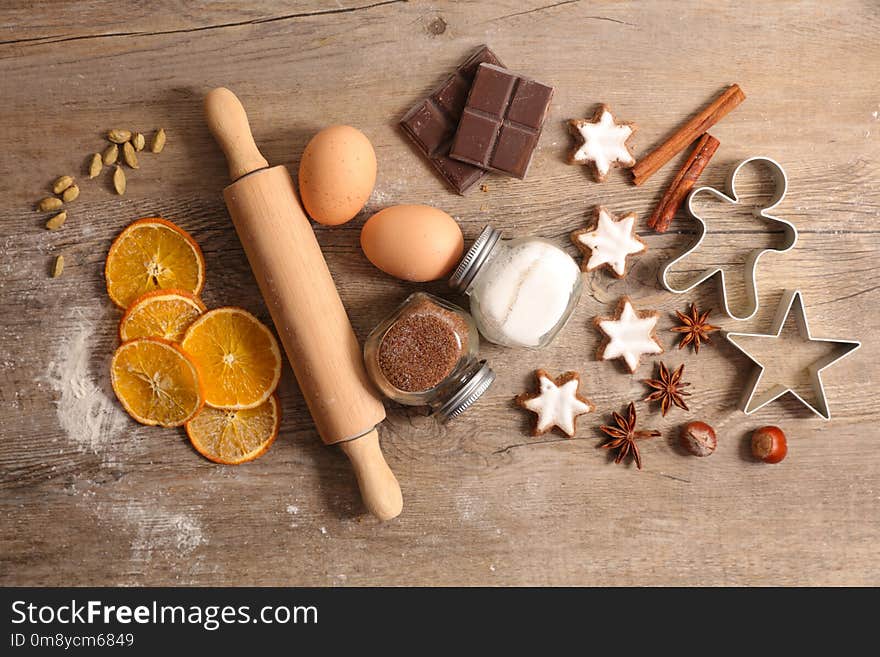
(708,116)
(683,183)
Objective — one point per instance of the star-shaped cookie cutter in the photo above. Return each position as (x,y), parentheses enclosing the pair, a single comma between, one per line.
(780,181)
(749,402)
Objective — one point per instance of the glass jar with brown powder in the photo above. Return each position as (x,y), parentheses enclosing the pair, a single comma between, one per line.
(425,354)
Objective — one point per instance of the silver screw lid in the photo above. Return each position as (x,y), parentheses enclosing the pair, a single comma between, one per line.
(470,391)
(475,258)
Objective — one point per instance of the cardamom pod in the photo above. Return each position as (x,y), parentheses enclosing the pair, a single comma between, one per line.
(119,136)
(138,141)
(61,184)
(57,221)
(49,204)
(129,155)
(119,180)
(70,194)
(111,154)
(158,141)
(95,165)
(58,266)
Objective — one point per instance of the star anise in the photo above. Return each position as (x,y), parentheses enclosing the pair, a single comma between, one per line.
(668,389)
(695,328)
(624,436)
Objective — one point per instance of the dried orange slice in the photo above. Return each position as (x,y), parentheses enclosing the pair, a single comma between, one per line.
(237,355)
(160,314)
(152,254)
(156,382)
(235,436)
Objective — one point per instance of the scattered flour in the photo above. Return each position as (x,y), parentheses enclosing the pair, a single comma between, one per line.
(89,418)
(292,509)
(160,530)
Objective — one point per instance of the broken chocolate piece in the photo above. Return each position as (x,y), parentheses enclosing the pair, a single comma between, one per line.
(431,124)
(502,121)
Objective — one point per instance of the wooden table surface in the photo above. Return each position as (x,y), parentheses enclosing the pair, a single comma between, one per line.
(90,497)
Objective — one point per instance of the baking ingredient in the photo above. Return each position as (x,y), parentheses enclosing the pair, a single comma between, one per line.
(413,242)
(624,435)
(668,389)
(695,328)
(129,156)
(58,266)
(70,194)
(699,123)
(118,136)
(431,123)
(49,204)
(337,174)
(150,254)
(422,347)
(111,154)
(235,436)
(630,335)
(556,404)
(156,382)
(683,183)
(502,121)
(603,142)
(769,444)
(609,242)
(161,314)
(119,180)
(523,293)
(237,355)
(57,221)
(158,142)
(138,141)
(61,184)
(95,165)
(699,438)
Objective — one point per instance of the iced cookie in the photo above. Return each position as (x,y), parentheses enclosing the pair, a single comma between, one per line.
(630,335)
(557,404)
(608,243)
(603,143)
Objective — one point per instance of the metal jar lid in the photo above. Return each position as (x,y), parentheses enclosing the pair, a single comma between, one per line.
(475,258)
(470,391)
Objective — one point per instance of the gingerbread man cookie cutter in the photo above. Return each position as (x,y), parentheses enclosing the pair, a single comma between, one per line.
(780,181)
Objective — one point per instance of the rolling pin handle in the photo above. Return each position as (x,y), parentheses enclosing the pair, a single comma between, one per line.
(228,122)
(379,488)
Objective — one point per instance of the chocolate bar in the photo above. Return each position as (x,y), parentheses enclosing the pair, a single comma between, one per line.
(431,124)
(502,121)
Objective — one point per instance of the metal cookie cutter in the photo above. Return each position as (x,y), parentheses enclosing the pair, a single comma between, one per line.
(781,183)
(792,301)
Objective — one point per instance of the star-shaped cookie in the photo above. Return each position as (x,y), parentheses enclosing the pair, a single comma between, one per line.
(630,335)
(603,142)
(608,243)
(557,404)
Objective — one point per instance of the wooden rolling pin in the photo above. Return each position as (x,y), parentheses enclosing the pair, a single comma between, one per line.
(305,306)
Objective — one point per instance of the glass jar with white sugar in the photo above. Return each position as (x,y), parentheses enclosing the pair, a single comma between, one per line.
(522,291)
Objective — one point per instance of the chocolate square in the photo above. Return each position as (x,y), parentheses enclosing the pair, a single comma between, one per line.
(502,121)
(432,123)
(513,150)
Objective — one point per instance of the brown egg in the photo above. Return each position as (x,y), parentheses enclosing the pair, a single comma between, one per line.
(414,242)
(337,174)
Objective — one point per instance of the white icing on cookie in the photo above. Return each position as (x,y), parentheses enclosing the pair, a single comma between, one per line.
(611,242)
(630,336)
(557,406)
(604,143)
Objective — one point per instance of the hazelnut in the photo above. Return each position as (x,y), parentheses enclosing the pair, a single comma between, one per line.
(698,438)
(769,445)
